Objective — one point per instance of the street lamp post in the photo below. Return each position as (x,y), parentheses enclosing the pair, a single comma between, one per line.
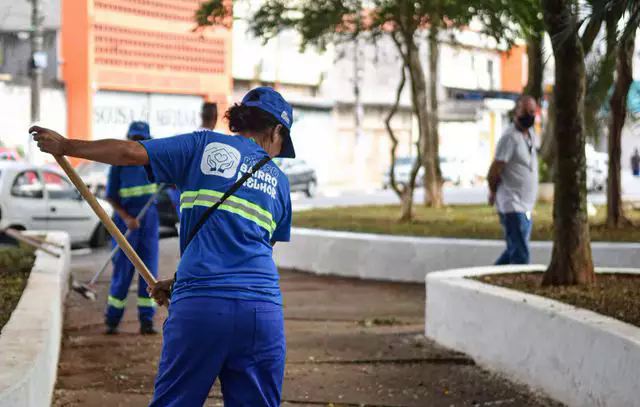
(37,64)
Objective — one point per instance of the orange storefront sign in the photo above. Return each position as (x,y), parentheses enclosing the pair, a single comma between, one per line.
(139,46)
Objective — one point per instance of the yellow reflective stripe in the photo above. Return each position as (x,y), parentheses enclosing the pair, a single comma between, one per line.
(248,216)
(146,302)
(114,302)
(216,194)
(238,206)
(138,190)
(269,228)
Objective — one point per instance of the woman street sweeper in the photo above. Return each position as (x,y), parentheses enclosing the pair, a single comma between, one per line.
(225,317)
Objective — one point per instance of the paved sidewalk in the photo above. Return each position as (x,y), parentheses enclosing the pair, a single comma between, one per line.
(350,343)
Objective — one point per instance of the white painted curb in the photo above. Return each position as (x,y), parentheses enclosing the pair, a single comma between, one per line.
(576,356)
(404,258)
(30,341)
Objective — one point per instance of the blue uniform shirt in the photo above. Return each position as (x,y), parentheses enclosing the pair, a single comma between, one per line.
(130,187)
(231,255)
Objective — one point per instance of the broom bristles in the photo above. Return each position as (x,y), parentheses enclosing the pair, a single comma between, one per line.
(84,290)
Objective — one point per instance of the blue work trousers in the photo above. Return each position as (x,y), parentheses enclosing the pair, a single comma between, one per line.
(517,232)
(145,242)
(241,342)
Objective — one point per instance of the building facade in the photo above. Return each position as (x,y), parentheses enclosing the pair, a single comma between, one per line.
(478,83)
(111,62)
(126,60)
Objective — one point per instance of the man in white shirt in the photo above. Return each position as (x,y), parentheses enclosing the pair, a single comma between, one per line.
(513,182)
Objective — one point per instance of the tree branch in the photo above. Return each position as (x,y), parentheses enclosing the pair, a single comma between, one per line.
(392,136)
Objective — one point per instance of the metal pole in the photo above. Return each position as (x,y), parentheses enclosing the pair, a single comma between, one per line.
(357,73)
(36,68)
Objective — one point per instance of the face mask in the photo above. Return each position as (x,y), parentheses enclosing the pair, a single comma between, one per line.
(526,120)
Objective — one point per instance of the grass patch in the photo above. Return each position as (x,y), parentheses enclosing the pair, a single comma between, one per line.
(468,221)
(614,295)
(15,266)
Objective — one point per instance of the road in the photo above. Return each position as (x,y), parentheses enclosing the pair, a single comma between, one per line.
(350,343)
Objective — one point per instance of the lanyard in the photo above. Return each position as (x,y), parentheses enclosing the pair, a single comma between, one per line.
(529,141)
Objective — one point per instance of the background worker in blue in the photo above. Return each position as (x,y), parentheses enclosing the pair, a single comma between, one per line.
(128,190)
(225,317)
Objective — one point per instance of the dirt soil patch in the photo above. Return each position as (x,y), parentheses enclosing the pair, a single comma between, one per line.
(349,343)
(614,295)
(462,221)
(15,266)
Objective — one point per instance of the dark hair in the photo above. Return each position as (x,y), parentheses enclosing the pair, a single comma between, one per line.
(209,111)
(243,118)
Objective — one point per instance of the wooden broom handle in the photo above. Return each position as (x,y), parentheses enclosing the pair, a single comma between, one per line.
(106,221)
(27,239)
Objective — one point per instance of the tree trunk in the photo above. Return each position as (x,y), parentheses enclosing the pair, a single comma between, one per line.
(571,261)
(420,106)
(406,207)
(409,56)
(618,104)
(536,67)
(405,193)
(548,148)
(431,156)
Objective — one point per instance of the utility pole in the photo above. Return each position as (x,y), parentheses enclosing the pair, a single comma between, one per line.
(37,64)
(357,75)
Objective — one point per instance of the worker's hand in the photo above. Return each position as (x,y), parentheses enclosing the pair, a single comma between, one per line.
(161,292)
(132,223)
(492,198)
(48,140)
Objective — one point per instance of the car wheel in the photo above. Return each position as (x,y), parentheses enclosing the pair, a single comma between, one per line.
(100,237)
(311,189)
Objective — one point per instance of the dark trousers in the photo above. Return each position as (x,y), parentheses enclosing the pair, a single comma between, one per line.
(517,232)
(241,342)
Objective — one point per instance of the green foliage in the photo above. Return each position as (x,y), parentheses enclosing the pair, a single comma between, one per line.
(509,20)
(212,12)
(465,221)
(15,265)
(544,172)
(321,22)
(16,259)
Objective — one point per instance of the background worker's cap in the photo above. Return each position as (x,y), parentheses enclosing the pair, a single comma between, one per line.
(267,99)
(140,129)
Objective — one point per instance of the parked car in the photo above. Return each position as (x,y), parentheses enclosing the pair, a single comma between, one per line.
(302,178)
(42,198)
(95,175)
(457,171)
(597,169)
(453,170)
(402,171)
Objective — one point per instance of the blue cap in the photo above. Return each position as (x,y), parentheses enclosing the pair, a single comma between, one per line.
(267,99)
(139,129)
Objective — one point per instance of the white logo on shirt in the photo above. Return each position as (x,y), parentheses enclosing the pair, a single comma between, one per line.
(220,159)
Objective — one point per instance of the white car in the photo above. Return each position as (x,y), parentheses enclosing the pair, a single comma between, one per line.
(457,171)
(597,169)
(39,198)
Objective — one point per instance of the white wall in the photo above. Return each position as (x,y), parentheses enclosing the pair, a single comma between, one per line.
(15,114)
(31,339)
(167,115)
(405,258)
(577,357)
(630,141)
(279,60)
(468,68)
